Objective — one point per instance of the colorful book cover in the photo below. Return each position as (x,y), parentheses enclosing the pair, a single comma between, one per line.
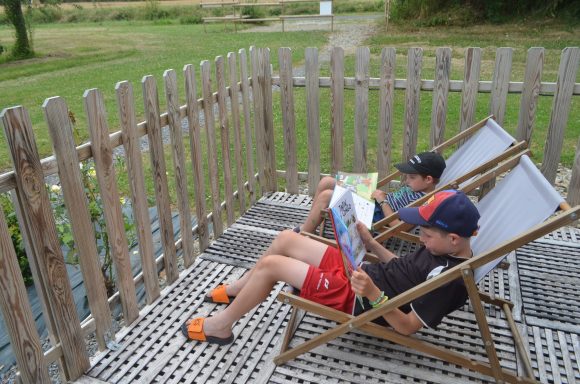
(363,184)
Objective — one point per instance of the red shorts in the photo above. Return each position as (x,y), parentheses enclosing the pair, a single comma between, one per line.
(327,284)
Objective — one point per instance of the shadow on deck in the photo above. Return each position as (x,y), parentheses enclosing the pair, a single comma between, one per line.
(541,281)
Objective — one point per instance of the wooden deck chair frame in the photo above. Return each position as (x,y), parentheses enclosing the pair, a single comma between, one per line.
(465,271)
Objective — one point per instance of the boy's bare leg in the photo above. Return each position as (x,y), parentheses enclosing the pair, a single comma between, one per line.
(322,197)
(291,245)
(268,271)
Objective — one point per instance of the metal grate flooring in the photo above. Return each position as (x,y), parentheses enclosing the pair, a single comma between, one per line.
(152,350)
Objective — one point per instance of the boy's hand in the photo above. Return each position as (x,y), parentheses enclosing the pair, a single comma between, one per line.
(379,195)
(363,285)
(364,233)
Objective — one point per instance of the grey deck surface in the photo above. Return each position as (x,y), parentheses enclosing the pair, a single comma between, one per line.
(542,280)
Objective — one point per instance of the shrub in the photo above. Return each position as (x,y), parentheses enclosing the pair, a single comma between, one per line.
(191,19)
(14,230)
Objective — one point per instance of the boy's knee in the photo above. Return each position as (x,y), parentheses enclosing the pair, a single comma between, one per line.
(265,263)
(326,183)
(283,240)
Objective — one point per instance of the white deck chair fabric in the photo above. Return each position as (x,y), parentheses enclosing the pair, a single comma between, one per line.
(489,141)
(521,200)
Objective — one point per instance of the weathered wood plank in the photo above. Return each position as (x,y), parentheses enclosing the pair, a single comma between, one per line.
(235,108)
(440,95)
(412,97)
(178,156)
(337,108)
(560,111)
(312,117)
(361,112)
(225,137)
(59,126)
(573,197)
(17,313)
(41,230)
(107,178)
(158,169)
(192,113)
(209,119)
(269,141)
(500,83)
(247,127)
(128,121)
(386,108)
(259,125)
(288,119)
(530,93)
(470,85)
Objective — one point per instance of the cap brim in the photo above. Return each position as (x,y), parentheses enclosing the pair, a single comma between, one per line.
(406,168)
(411,215)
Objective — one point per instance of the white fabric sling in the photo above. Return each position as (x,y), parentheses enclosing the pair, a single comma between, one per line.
(521,200)
(488,142)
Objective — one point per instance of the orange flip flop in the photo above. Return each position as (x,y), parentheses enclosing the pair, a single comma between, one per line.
(194,331)
(218,295)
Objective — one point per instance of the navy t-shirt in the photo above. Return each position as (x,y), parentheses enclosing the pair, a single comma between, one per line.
(403,273)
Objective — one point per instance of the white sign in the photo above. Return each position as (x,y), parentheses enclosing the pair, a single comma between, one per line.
(326,7)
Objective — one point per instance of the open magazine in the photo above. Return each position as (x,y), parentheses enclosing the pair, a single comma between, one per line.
(365,209)
(343,216)
(363,184)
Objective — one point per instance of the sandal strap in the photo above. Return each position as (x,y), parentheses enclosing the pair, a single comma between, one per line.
(219,294)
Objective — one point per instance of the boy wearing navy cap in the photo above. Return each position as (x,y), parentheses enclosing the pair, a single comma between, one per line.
(421,172)
(447,221)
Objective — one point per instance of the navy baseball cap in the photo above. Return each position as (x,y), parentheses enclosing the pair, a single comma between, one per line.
(425,163)
(449,210)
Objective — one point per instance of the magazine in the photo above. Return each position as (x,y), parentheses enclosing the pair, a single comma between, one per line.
(363,184)
(364,208)
(343,217)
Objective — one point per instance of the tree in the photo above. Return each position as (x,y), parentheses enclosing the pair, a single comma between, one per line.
(22,48)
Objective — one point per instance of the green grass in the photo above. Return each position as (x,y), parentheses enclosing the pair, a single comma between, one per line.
(76,57)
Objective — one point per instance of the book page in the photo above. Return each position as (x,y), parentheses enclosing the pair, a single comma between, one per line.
(365,209)
(363,184)
(344,218)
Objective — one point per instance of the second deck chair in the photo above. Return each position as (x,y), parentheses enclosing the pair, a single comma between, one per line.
(486,144)
(512,214)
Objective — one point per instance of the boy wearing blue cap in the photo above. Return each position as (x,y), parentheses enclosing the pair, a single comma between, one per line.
(447,221)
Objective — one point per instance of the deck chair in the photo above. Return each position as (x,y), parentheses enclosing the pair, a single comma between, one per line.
(507,223)
(487,144)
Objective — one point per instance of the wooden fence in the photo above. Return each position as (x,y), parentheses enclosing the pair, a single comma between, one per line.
(243,107)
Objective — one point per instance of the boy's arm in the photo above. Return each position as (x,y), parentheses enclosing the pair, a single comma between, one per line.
(374,246)
(404,323)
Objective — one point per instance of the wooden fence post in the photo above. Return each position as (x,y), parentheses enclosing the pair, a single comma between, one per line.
(337,108)
(17,314)
(128,121)
(235,107)
(312,117)
(162,198)
(440,96)
(60,129)
(530,93)
(225,138)
(104,166)
(209,118)
(560,110)
(470,87)
(36,213)
(573,197)
(412,102)
(250,144)
(288,118)
(178,155)
(361,112)
(192,112)
(500,83)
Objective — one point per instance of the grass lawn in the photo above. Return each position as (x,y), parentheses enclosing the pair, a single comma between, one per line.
(76,57)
